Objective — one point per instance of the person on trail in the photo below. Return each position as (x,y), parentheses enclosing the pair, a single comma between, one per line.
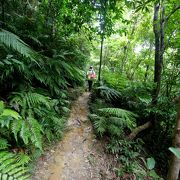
(91,75)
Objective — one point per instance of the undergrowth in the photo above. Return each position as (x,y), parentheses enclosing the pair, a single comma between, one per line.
(34,101)
(115,124)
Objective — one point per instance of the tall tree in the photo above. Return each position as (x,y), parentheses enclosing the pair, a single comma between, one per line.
(108,12)
(158,28)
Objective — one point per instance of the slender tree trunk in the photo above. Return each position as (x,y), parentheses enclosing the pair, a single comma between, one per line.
(105,56)
(2,13)
(157,64)
(124,58)
(126,48)
(174,166)
(146,73)
(102,42)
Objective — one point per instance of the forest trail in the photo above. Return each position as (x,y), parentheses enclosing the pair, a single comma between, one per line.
(79,156)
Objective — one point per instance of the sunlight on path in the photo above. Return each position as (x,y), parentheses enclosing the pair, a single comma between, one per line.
(77,156)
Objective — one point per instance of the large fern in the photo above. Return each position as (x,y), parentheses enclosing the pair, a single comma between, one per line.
(109,93)
(127,117)
(29,130)
(113,121)
(12,166)
(13,41)
(46,110)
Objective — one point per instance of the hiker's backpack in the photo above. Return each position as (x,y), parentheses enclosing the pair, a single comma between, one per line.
(91,74)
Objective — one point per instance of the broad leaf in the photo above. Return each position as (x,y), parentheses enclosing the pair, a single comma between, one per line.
(150,163)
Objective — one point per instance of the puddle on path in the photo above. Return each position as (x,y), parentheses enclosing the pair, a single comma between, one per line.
(79,156)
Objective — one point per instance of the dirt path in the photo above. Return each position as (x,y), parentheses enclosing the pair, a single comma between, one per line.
(79,156)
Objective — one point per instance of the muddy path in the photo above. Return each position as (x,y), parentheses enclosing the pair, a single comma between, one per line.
(79,156)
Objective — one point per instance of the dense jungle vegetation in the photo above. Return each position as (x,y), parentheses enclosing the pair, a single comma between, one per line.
(46,47)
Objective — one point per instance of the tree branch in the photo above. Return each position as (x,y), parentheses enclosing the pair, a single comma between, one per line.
(172,12)
(137,130)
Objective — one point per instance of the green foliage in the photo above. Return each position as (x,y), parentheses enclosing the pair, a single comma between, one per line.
(113,121)
(150,163)
(12,41)
(175,151)
(3,144)
(29,130)
(127,117)
(128,149)
(128,153)
(39,62)
(108,93)
(13,166)
(115,80)
(44,109)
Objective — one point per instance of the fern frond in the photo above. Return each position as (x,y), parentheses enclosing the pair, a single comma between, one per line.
(127,116)
(22,158)
(3,144)
(100,125)
(10,61)
(115,130)
(35,130)
(9,112)
(118,121)
(10,168)
(109,93)
(30,98)
(25,132)
(12,41)
(93,117)
(5,121)
(16,127)
(35,40)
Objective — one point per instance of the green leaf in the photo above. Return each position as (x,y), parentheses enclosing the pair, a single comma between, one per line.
(175,151)
(9,112)
(153,174)
(12,41)
(150,163)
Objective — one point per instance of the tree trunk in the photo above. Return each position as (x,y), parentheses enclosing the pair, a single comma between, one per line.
(157,64)
(159,49)
(146,73)
(174,166)
(126,48)
(102,41)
